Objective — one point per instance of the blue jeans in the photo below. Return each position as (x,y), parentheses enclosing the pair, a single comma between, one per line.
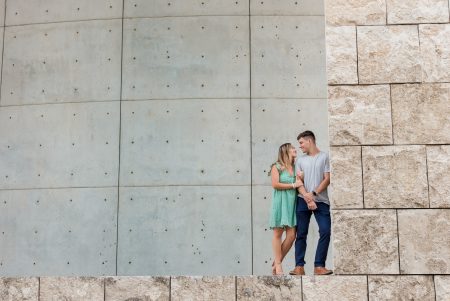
(323,219)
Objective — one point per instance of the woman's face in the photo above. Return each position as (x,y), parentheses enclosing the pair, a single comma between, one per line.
(292,152)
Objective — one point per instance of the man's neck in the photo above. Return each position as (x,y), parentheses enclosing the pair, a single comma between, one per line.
(314,151)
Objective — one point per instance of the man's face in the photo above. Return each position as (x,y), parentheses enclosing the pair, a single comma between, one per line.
(305,144)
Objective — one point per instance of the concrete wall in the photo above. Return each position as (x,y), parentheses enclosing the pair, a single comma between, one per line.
(137,135)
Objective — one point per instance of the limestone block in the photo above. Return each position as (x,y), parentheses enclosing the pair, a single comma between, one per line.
(203,288)
(164,8)
(388,54)
(185,141)
(278,121)
(269,288)
(335,288)
(275,7)
(359,115)
(341,55)
(424,237)
(71,231)
(401,288)
(365,242)
(45,11)
(421,113)
(71,288)
(442,284)
(137,288)
(188,57)
(435,52)
(68,62)
(23,289)
(63,145)
(346,180)
(188,230)
(288,57)
(438,161)
(395,177)
(417,11)
(359,12)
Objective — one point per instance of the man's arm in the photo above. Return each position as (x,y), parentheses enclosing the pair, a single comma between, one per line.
(324,184)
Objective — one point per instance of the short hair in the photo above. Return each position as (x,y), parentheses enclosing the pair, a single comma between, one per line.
(307,134)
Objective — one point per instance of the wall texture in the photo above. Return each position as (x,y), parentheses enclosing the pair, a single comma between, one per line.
(136,136)
(389,108)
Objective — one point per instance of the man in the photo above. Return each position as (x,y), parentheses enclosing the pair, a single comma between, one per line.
(314,169)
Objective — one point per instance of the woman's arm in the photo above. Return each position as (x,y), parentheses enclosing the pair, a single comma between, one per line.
(282,186)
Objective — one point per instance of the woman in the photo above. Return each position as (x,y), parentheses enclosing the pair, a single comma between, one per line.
(282,216)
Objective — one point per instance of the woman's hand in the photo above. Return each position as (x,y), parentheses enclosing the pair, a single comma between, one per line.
(298,183)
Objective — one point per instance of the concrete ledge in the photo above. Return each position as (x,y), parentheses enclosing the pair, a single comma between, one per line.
(348,287)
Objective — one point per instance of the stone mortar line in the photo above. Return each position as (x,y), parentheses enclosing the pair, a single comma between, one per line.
(392,114)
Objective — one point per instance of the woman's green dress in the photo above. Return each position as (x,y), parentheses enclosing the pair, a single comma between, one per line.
(283,203)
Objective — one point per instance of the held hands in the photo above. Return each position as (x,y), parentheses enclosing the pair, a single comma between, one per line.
(309,199)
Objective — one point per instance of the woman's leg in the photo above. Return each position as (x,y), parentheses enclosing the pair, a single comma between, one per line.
(276,246)
(288,241)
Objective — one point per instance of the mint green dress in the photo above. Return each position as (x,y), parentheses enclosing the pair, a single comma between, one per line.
(283,203)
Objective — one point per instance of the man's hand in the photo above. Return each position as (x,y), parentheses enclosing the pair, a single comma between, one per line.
(312,205)
(309,199)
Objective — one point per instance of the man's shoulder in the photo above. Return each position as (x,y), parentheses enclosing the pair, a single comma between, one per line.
(324,154)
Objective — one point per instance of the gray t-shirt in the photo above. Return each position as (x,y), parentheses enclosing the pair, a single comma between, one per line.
(313,168)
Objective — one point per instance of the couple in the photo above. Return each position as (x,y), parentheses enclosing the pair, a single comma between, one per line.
(300,189)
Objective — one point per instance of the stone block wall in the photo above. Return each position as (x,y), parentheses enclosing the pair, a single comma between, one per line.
(229,288)
(389,122)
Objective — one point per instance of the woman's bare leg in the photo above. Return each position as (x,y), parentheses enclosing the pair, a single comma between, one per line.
(288,241)
(276,247)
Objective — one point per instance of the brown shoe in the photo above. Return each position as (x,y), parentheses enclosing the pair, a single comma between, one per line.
(298,271)
(322,271)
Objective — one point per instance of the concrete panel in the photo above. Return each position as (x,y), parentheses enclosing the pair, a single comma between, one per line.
(277,7)
(191,57)
(58,232)
(185,142)
(163,8)
(277,121)
(74,62)
(194,230)
(262,238)
(62,145)
(2,10)
(44,11)
(288,57)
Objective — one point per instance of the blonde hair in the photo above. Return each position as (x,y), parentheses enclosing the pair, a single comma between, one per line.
(283,157)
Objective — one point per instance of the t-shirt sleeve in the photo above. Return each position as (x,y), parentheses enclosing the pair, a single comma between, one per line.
(327,163)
